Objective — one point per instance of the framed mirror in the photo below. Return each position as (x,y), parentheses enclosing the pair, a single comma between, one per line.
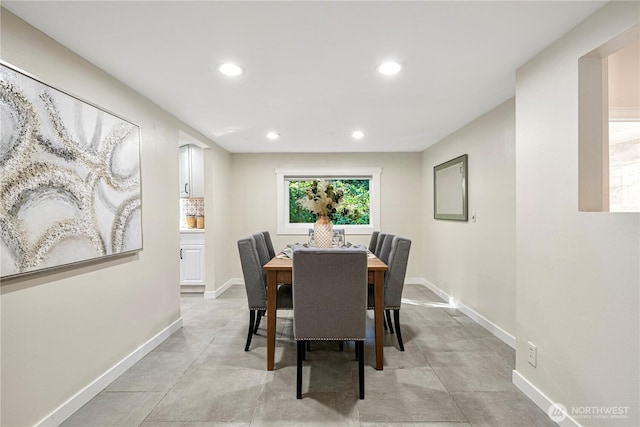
(450,190)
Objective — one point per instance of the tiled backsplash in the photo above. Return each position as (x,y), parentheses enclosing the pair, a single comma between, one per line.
(193,206)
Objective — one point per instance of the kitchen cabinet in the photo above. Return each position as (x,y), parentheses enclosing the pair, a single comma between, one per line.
(191,171)
(192,260)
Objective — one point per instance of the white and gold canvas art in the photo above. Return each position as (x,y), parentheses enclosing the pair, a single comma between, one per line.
(69,178)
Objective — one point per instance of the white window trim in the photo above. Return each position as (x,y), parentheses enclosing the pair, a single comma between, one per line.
(282,193)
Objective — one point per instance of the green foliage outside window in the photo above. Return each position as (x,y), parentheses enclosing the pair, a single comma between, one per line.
(353,210)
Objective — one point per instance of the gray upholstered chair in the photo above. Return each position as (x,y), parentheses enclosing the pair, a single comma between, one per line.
(263,256)
(373,241)
(269,243)
(266,252)
(379,244)
(340,232)
(383,248)
(329,301)
(255,280)
(394,283)
(261,246)
(386,248)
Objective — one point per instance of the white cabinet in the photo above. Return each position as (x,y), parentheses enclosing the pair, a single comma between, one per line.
(192,259)
(191,171)
(184,171)
(191,264)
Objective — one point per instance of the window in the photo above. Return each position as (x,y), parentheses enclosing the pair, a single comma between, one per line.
(361,202)
(624,128)
(609,126)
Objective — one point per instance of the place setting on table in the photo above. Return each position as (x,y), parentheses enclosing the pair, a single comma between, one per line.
(337,242)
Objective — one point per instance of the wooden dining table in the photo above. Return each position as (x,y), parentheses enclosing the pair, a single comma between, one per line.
(279,271)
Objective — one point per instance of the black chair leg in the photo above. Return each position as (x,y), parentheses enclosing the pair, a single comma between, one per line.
(300,352)
(396,319)
(260,314)
(357,351)
(388,317)
(360,350)
(384,323)
(252,319)
(341,345)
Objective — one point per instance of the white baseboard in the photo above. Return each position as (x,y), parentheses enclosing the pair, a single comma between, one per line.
(76,402)
(215,294)
(539,398)
(496,330)
(192,289)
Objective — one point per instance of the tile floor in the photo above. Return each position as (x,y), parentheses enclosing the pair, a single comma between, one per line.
(452,374)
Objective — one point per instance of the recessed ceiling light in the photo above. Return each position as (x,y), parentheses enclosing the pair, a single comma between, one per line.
(273,135)
(231,70)
(357,134)
(389,68)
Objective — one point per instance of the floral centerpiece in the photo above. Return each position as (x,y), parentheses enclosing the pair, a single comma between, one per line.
(323,200)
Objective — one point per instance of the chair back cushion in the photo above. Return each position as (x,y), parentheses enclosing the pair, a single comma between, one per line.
(329,294)
(394,277)
(386,248)
(373,241)
(261,246)
(379,243)
(254,274)
(269,243)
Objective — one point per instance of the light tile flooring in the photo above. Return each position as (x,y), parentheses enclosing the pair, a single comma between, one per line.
(452,374)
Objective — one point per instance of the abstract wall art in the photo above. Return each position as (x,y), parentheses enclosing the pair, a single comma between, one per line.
(69,178)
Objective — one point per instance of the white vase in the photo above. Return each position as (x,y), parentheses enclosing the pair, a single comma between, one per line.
(323,232)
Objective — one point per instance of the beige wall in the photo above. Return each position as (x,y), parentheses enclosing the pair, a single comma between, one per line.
(577,273)
(64,329)
(474,262)
(219,247)
(253,206)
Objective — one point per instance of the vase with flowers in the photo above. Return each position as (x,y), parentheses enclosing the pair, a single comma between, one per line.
(323,200)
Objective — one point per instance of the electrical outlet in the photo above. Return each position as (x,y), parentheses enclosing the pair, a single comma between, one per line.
(532,354)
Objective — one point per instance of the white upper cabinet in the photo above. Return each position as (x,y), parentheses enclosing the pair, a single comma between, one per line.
(184,171)
(191,171)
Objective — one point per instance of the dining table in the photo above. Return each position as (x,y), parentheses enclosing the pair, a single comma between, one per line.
(279,270)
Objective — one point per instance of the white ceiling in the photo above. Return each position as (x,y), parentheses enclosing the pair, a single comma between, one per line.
(310,65)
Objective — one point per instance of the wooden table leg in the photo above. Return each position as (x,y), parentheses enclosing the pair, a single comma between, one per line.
(378,284)
(272,294)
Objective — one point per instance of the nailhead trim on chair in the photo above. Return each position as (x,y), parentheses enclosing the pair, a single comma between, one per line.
(386,308)
(330,339)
